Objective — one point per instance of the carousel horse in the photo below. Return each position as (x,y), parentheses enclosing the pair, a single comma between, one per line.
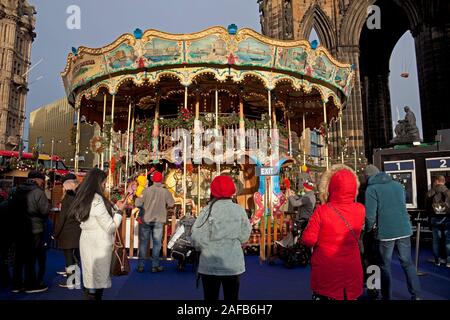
(171,181)
(278,198)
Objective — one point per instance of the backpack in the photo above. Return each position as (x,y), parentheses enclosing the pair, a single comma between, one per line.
(441,203)
(182,247)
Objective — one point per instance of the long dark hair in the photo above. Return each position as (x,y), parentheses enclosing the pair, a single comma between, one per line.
(91,185)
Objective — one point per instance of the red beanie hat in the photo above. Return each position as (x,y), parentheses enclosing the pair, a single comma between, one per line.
(308,185)
(222,187)
(157,177)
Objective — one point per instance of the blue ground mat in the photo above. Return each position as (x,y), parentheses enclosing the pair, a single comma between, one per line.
(260,282)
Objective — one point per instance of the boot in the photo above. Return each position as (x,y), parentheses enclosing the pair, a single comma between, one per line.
(98,295)
(89,294)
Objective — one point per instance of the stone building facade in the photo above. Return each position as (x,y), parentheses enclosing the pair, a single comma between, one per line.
(17,23)
(342,28)
(56,121)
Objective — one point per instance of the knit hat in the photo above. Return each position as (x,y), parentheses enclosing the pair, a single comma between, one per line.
(157,177)
(223,187)
(36,175)
(371,170)
(308,185)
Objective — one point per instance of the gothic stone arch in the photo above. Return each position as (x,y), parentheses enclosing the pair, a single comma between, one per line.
(341,26)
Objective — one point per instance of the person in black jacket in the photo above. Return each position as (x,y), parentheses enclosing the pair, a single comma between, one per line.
(29,207)
(68,229)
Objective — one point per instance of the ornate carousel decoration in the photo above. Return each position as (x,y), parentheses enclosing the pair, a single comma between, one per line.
(146,86)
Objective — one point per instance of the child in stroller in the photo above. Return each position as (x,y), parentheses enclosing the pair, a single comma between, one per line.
(181,244)
(290,250)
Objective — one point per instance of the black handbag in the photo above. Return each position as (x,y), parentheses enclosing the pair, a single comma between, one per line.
(120,266)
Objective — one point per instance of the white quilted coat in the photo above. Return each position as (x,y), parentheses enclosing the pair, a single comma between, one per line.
(96,241)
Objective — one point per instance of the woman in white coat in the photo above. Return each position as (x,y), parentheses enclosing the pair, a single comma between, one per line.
(99,220)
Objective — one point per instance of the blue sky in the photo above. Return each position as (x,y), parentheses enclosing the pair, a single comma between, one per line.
(102,21)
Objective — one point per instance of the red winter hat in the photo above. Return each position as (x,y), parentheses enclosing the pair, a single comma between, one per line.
(308,185)
(223,187)
(157,177)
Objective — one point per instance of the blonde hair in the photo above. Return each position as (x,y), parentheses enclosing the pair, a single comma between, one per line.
(326,177)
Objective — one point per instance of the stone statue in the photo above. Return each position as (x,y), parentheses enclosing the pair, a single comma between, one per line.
(262,16)
(406,130)
(288,19)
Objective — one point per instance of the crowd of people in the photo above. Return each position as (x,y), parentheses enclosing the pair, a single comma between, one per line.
(344,235)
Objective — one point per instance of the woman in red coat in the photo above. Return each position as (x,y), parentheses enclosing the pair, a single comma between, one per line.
(336,270)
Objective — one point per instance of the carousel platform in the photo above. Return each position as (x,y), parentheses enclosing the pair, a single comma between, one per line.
(260,282)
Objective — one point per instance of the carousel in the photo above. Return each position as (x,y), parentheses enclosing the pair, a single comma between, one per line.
(145,88)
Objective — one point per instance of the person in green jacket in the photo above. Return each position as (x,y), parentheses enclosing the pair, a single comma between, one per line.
(386,209)
(218,233)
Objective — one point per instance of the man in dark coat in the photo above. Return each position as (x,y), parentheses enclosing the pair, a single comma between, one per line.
(438,198)
(386,207)
(68,230)
(30,207)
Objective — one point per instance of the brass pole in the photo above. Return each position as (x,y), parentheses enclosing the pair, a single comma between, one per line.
(77,139)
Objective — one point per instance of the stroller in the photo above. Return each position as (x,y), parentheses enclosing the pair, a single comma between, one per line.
(290,250)
(181,246)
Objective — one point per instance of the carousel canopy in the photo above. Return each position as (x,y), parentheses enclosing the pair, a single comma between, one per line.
(240,63)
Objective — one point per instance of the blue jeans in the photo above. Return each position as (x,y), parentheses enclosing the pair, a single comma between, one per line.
(147,230)
(441,229)
(403,250)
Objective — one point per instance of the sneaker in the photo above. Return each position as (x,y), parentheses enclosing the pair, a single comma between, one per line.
(448,265)
(63,285)
(61,273)
(157,269)
(17,290)
(37,289)
(442,261)
(140,269)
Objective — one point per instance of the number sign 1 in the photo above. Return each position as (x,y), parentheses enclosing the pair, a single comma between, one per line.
(399,166)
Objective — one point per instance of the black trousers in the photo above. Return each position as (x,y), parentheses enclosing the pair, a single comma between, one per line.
(29,251)
(211,287)
(71,256)
(5,277)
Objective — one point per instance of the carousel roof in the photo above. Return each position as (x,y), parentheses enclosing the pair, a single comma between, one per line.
(146,57)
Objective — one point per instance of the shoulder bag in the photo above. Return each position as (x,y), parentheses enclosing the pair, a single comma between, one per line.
(360,243)
(120,266)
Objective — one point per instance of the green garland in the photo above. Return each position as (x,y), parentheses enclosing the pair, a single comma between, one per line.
(144,128)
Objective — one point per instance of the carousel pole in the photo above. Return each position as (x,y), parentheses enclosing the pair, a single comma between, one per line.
(304,137)
(133,121)
(269,98)
(217,130)
(77,139)
(127,158)
(184,173)
(289,134)
(185,155)
(341,134)
(102,165)
(197,126)
(155,133)
(325,122)
(111,144)
(198,189)
(241,123)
